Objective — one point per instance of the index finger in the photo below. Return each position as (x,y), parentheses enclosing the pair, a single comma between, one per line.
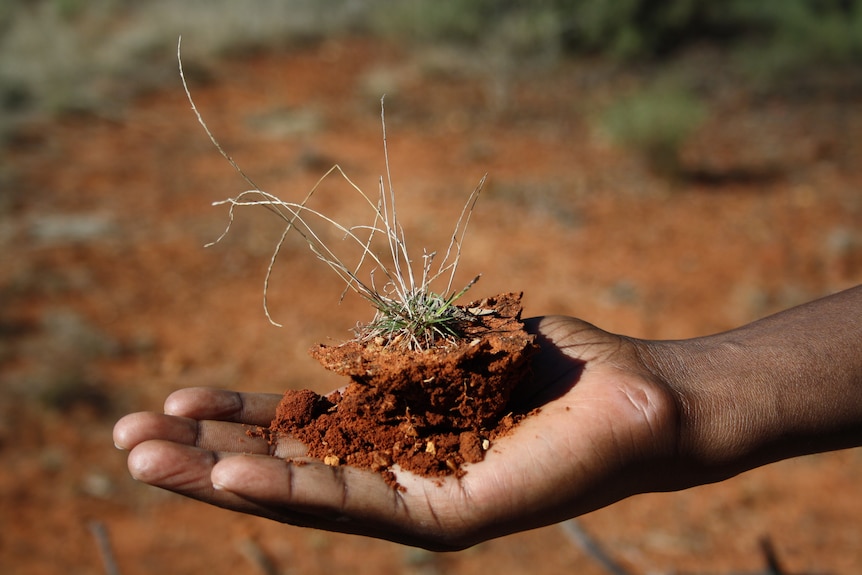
(223,405)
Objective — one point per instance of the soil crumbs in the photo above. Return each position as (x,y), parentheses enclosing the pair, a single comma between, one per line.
(428,411)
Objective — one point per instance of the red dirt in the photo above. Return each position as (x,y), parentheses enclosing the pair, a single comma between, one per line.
(108,302)
(428,411)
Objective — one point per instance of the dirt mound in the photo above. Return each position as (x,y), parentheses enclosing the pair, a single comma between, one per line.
(430,411)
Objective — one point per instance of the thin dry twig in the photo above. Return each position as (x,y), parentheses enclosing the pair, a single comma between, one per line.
(106,552)
(576,533)
(573,530)
(255,554)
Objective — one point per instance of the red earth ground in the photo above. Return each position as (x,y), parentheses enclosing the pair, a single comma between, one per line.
(110,301)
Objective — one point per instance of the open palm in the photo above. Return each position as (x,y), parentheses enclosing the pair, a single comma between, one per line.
(606,429)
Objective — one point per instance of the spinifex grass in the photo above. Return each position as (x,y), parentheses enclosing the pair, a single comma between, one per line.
(410,313)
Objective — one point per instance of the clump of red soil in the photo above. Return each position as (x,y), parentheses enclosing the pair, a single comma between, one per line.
(428,411)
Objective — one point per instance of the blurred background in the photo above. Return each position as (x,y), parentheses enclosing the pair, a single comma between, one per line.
(663,169)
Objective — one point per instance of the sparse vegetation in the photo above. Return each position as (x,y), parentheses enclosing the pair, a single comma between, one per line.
(655,121)
(68,55)
(409,312)
(60,56)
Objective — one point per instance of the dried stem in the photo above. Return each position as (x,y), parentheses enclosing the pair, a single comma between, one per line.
(408,309)
(106,552)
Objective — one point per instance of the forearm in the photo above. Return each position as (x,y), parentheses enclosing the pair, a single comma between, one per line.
(786,385)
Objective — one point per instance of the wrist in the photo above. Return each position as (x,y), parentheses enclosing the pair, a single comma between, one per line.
(728,411)
(787,385)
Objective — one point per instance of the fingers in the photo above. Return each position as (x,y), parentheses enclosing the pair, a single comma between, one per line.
(305,493)
(137,428)
(224,405)
(339,492)
(218,436)
(203,417)
(185,470)
(184,421)
(206,404)
(173,466)
(343,499)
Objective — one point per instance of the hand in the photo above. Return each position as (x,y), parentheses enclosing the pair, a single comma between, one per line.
(605,430)
(618,416)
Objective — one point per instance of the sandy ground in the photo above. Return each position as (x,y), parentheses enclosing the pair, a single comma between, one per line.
(109,300)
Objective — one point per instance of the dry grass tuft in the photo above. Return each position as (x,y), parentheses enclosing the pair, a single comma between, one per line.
(410,311)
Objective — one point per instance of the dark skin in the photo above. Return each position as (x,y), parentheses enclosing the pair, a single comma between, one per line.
(620,416)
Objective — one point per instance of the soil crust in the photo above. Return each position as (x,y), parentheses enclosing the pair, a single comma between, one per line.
(429,412)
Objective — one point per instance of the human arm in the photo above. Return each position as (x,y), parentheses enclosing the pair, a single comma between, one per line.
(786,385)
(619,416)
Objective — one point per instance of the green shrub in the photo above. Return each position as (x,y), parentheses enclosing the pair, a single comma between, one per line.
(59,55)
(812,29)
(784,38)
(655,121)
(510,28)
(771,38)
